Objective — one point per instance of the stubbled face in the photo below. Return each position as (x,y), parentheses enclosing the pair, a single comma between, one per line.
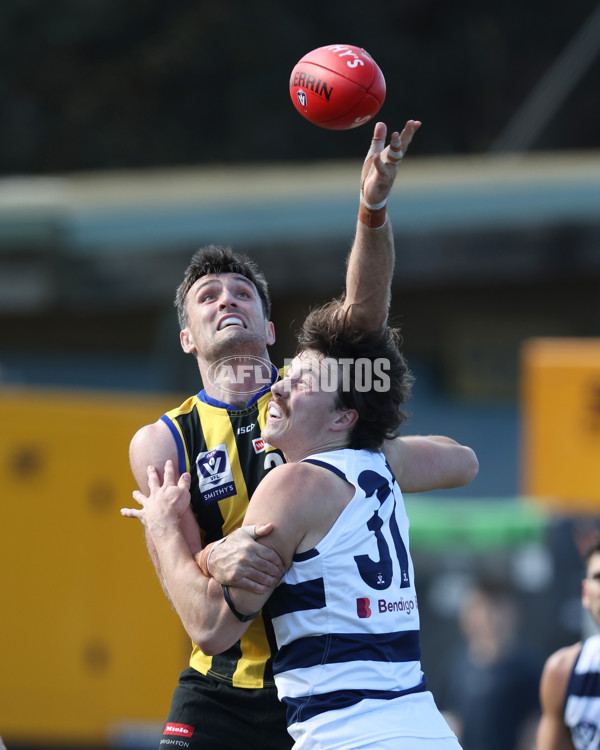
(302,417)
(225,317)
(591,588)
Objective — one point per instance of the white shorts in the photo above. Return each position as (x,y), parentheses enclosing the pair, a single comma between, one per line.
(412,722)
(413,743)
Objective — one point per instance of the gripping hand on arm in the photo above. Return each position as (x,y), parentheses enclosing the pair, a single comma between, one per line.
(197,599)
(162,509)
(241,561)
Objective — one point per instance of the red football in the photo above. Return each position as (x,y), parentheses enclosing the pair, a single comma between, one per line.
(338,87)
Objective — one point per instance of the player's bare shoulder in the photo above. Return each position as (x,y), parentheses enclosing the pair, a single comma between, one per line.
(293,477)
(152,445)
(154,438)
(306,486)
(556,673)
(561,662)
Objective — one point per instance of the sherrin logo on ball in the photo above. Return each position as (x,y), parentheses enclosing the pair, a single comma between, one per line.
(337,87)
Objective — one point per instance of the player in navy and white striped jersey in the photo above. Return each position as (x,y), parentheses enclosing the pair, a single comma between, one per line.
(345,614)
(570,684)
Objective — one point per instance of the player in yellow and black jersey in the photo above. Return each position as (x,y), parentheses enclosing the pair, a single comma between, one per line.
(227,701)
(223,450)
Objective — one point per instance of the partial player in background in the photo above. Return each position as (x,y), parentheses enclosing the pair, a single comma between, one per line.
(570,684)
(490,688)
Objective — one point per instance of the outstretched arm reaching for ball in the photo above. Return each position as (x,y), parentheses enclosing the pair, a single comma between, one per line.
(371,261)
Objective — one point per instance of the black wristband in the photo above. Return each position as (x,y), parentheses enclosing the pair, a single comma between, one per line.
(231,605)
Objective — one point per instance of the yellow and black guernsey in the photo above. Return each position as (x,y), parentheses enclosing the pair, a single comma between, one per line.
(223,450)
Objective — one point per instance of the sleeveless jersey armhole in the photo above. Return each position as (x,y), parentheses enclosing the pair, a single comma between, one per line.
(571,680)
(324,465)
(181,455)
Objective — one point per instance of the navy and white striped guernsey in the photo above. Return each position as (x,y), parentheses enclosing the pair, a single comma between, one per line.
(346,621)
(582,705)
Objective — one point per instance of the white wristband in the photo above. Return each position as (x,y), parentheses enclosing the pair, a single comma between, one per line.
(372,206)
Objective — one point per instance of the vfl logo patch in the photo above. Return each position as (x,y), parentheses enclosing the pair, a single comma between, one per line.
(181,730)
(363,609)
(301,97)
(259,445)
(215,478)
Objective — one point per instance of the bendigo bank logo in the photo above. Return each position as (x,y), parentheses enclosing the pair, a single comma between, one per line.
(363,608)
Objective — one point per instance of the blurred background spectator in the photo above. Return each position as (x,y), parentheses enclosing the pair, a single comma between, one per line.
(491,683)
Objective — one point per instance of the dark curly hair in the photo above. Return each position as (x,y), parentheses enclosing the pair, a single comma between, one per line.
(216,259)
(326,330)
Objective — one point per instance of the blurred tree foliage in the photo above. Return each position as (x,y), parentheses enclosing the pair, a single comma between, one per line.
(89,84)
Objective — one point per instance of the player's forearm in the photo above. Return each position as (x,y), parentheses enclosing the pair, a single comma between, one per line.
(156,562)
(197,599)
(186,586)
(552,734)
(465,467)
(369,276)
(232,611)
(435,462)
(191,531)
(457,465)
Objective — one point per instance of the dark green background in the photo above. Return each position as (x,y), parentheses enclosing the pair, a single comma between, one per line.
(88,84)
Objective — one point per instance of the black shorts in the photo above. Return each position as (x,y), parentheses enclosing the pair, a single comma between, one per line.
(207,713)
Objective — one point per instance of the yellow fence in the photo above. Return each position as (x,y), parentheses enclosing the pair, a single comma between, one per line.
(89,645)
(561,422)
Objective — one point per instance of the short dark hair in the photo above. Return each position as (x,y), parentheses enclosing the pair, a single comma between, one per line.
(326,330)
(216,259)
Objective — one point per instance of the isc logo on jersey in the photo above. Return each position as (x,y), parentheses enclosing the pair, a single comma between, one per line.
(215,478)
